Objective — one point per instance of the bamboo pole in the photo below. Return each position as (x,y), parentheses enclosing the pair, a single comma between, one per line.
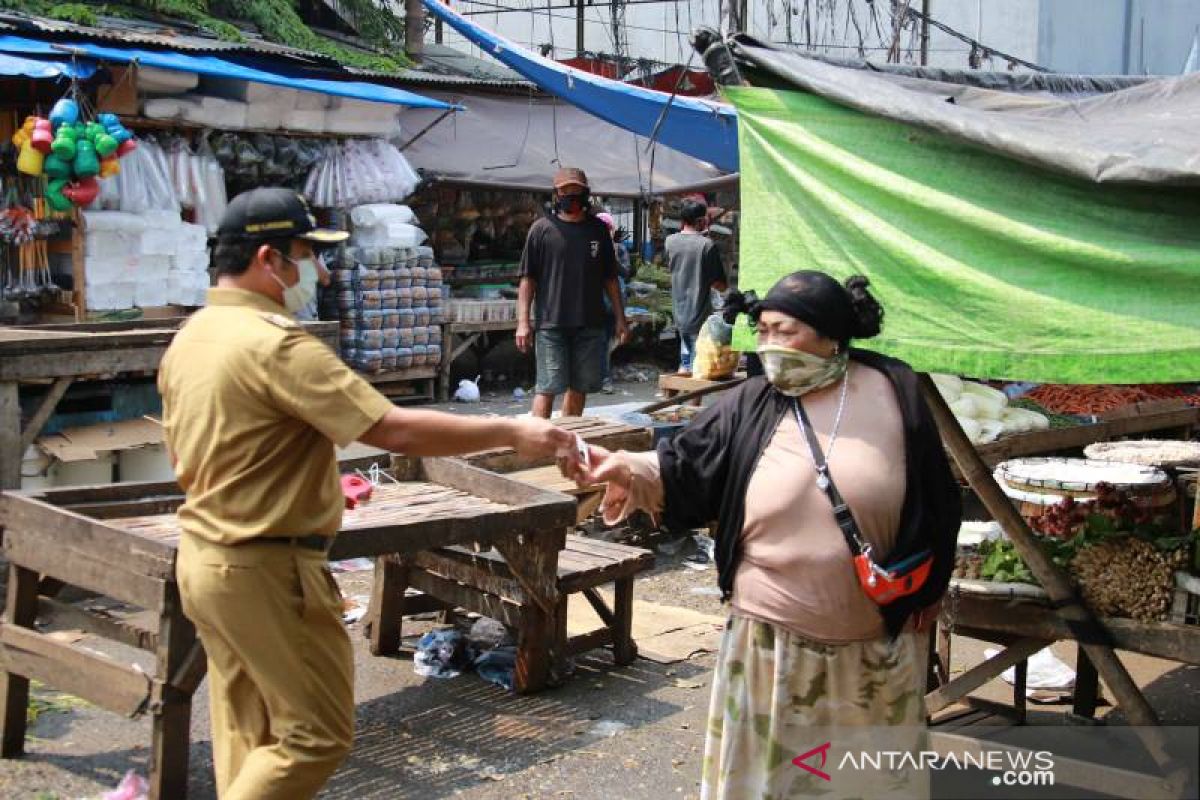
(1067,603)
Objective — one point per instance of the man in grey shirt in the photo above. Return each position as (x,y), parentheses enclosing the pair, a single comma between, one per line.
(696,269)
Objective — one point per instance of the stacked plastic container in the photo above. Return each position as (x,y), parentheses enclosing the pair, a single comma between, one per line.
(390,302)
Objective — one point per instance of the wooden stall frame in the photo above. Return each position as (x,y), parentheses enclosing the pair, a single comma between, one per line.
(62,536)
(1067,604)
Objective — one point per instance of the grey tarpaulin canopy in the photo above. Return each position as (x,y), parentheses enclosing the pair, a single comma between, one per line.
(1094,128)
(513,142)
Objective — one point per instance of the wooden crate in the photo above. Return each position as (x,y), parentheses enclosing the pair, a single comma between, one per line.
(121,541)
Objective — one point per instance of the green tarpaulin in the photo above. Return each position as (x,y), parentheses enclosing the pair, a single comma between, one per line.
(985,266)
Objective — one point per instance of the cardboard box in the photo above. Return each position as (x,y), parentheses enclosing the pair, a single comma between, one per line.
(120,96)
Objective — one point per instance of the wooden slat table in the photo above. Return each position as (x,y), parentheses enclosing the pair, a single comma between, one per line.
(121,541)
(672,384)
(61,354)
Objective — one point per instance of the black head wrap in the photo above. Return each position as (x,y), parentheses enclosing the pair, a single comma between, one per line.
(836,311)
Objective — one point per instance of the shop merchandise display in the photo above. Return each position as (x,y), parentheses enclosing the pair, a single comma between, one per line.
(389,296)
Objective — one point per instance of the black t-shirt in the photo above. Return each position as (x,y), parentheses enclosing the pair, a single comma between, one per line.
(570,262)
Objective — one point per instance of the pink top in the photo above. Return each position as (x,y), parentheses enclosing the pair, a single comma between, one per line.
(796,570)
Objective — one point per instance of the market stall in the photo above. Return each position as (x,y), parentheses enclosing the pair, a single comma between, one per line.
(1009,240)
(121,542)
(47,360)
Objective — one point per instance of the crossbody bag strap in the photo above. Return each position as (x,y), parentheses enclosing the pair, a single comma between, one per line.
(841,509)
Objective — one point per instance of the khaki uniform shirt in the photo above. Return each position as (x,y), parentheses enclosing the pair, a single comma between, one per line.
(252,408)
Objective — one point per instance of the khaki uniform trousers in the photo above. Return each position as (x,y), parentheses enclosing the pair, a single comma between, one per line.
(280,666)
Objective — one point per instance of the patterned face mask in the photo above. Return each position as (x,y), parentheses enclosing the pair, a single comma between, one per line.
(795,372)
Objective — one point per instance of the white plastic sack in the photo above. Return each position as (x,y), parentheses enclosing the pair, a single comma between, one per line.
(467,391)
(375,213)
(1046,671)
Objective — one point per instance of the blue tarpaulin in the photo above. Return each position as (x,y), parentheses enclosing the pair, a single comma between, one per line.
(37,68)
(210,65)
(701,128)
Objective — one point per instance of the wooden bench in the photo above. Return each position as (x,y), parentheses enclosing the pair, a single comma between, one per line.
(482,582)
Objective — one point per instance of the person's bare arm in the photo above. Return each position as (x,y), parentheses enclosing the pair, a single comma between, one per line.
(613,288)
(417,432)
(525,292)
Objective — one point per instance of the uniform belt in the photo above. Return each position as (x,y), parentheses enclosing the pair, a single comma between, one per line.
(313,542)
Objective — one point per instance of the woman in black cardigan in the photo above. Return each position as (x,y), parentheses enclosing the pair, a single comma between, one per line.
(811,646)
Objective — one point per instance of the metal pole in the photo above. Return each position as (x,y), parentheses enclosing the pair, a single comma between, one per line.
(925,32)
(437,30)
(578,27)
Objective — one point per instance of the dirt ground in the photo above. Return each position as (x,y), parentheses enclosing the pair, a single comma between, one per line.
(633,732)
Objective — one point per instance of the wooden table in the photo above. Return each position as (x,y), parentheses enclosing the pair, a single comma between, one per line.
(121,541)
(58,355)
(1171,417)
(457,338)
(671,383)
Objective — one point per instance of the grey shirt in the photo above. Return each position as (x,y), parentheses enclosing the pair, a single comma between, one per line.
(695,265)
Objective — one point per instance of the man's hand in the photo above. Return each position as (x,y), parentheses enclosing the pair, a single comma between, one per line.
(534,438)
(524,336)
(622,331)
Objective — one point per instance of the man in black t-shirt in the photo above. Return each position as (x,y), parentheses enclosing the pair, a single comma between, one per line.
(566,269)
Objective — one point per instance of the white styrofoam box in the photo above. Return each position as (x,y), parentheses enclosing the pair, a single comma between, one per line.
(165,108)
(251,92)
(160,242)
(99,271)
(216,112)
(90,472)
(348,123)
(311,121)
(121,221)
(186,289)
(147,463)
(362,108)
(110,295)
(165,81)
(151,291)
(159,220)
(192,237)
(190,262)
(175,288)
(154,264)
(311,101)
(105,246)
(265,117)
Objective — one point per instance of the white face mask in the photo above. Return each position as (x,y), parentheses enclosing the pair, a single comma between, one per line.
(302,292)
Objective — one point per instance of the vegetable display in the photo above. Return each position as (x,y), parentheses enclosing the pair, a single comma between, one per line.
(1121,560)
(984,413)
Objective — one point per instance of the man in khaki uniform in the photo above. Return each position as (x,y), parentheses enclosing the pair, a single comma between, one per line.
(253,407)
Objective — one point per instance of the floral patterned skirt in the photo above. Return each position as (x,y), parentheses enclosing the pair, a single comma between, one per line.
(777,696)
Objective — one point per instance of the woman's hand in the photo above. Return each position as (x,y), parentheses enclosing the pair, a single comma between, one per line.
(610,469)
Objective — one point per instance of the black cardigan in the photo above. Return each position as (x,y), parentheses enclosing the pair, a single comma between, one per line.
(706,471)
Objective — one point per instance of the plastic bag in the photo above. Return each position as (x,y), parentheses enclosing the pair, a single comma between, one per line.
(143,184)
(715,358)
(442,654)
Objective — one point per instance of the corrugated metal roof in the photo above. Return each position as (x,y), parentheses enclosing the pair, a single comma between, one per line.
(142,32)
(447,67)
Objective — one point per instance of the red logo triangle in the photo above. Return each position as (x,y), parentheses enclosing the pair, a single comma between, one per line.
(800,759)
